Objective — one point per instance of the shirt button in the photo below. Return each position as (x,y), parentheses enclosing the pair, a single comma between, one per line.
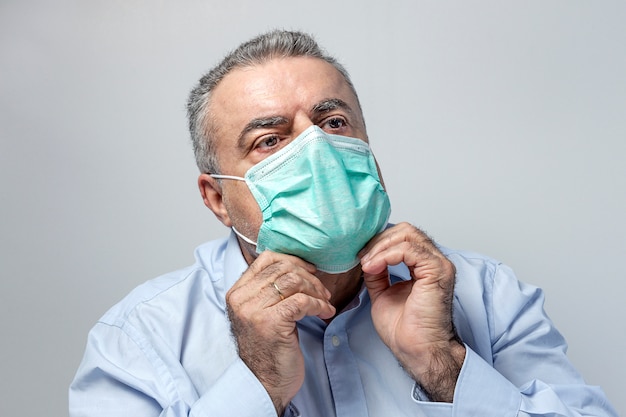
(336,341)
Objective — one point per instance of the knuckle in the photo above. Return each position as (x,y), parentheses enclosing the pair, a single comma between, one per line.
(409,229)
(416,248)
(405,225)
(231,297)
(290,280)
(266,255)
(290,310)
(271,270)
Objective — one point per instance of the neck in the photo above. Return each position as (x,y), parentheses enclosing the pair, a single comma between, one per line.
(343,287)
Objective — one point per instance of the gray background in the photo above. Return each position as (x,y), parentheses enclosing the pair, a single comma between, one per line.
(500,128)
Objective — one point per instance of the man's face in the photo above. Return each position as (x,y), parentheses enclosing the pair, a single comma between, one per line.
(258,110)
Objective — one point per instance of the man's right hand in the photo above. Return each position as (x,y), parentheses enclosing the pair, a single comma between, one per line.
(263,306)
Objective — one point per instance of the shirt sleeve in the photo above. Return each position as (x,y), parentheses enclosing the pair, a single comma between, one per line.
(238,393)
(121,375)
(528,372)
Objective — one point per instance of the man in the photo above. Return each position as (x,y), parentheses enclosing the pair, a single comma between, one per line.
(314,306)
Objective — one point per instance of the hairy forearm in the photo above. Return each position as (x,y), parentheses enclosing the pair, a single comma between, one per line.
(438,379)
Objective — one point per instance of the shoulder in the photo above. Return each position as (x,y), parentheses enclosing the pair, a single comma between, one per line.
(478,275)
(472,264)
(142,339)
(173,288)
(465,256)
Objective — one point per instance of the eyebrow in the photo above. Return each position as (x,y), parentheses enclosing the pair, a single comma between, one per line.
(318,109)
(260,123)
(331,104)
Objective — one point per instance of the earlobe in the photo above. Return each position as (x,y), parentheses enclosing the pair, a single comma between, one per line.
(211,192)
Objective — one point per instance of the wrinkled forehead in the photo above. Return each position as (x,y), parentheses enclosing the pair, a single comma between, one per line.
(276,87)
(299,72)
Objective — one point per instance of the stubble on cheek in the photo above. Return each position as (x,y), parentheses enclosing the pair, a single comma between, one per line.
(245,215)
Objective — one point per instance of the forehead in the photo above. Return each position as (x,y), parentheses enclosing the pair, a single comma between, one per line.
(279,87)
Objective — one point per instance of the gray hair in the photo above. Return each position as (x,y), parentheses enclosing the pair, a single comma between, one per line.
(263,48)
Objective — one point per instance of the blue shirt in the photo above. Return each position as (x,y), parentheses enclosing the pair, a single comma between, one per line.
(167,350)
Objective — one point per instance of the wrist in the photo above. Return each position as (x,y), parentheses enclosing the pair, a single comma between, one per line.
(437,370)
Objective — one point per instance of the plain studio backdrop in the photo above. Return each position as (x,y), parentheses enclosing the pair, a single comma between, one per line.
(500,128)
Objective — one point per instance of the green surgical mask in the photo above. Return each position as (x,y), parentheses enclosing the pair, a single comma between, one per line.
(321,199)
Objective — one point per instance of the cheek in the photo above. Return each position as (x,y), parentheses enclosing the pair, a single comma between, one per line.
(243,210)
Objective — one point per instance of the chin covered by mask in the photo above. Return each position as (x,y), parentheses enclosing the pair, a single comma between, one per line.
(321,199)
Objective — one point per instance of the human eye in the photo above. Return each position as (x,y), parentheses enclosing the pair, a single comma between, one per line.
(334,124)
(268,143)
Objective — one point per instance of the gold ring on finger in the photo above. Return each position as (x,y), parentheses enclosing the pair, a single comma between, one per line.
(280,293)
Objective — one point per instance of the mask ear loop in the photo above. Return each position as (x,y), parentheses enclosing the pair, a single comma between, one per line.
(250,241)
(233,177)
(227,177)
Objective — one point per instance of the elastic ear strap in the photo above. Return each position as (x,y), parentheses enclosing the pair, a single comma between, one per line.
(250,241)
(227,177)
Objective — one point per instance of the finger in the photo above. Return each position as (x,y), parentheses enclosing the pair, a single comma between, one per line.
(402,232)
(268,267)
(376,284)
(420,259)
(299,281)
(274,278)
(399,236)
(377,262)
(301,305)
(267,258)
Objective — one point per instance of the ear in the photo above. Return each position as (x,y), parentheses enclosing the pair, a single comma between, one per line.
(211,192)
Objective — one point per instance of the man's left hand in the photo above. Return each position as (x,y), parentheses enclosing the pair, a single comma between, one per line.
(414,318)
